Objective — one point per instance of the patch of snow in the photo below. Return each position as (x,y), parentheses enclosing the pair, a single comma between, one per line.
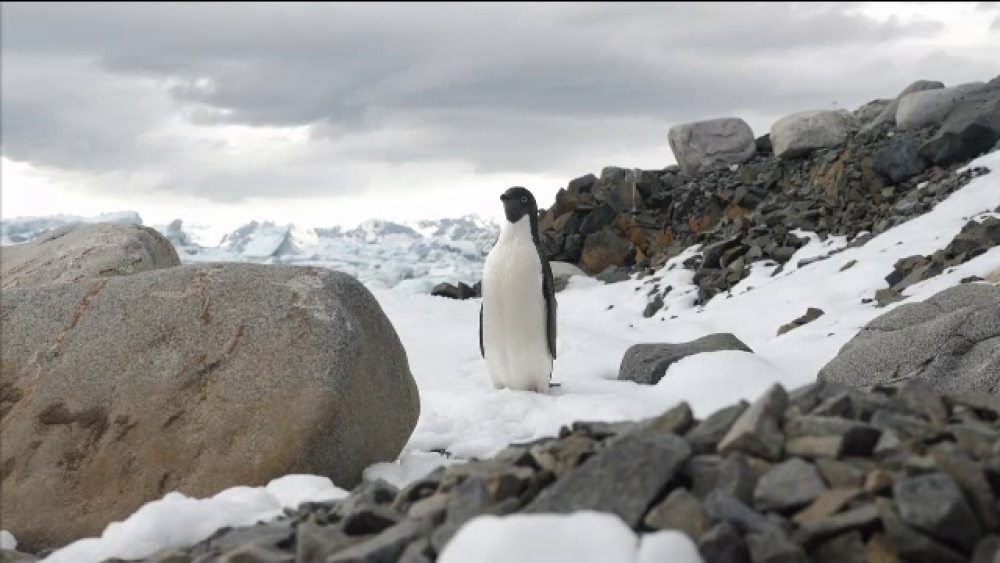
(178,521)
(579,537)
(7,540)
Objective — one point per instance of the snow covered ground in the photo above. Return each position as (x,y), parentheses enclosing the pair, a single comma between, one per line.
(462,414)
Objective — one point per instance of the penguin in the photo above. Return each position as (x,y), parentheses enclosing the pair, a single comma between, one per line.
(517,316)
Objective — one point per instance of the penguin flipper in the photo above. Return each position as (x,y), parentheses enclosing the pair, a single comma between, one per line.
(482,352)
(549,293)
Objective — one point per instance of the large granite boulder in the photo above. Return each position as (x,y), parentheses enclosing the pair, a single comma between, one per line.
(888,114)
(802,132)
(870,111)
(648,363)
(971,129)
(716,143)
(118,390)
(951,341)
(931,107)
(78,252)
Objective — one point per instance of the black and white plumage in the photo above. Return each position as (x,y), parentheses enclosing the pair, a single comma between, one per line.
(517,319)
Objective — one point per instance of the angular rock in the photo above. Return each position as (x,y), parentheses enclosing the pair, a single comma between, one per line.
(293,369)
(971,129)
(910,544)
(934,504)
(382,548)
(827,503)
(679,511)
(774,548)
(950,341)
(724,544)
(971,478)
(78,253)
(811,315)
(606,248)
(649,459)
(646,364)
(987,550)
(581,184)
(848,548)
(790,485)
(899,161)
(805,131)
(863,518)
(720,506)
(706,145)
(839,474)
(602,216)
(757,430)
(705,436)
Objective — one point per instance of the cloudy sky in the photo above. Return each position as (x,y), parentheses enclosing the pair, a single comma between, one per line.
(333,113)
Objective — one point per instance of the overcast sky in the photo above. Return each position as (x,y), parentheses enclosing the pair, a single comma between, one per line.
(333,113)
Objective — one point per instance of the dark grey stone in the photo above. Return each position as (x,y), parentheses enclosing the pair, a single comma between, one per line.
(382,548)
(971,478)
(934,504)
(863,518)
(899,161)
(757,430)
(737,477)
(910,544)
(650,460)
(857,438)
(705,436)
(720,506)
(774,548)
(724,544)
(581,184)
(679,511)
(789,485)
(648,363)
(810,315)
(971,129)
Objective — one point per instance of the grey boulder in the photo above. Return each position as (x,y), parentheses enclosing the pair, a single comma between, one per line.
(951,341)
(931,107)
(194,379)
(705,145)
(802,132)
(888,114)
(648,363)
(972,128)
(80,252)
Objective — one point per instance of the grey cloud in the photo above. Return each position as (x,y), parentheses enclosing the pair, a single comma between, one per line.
(506,87)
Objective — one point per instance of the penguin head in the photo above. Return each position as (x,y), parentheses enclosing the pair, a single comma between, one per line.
(518,202)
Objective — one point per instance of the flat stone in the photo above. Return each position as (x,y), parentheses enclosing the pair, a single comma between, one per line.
(788,486)
(862,518)
(721,506)
(679,511)
(905,426)
(649,459)
(737,477)
(974,438)
(385,547)
(646,364)
(917,396)
(370,520)
(828,503)
(846,548)
(705,437)
(878,481)
(840,474)
(857,439)
(934,504)
(879,550)
(774,548)
(757,431)
(971,479)
(724,544)
(813,447)
(910,544)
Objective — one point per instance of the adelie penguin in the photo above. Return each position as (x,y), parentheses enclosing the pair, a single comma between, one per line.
(517,319)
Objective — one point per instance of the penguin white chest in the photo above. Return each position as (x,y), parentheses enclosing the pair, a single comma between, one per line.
(515,339)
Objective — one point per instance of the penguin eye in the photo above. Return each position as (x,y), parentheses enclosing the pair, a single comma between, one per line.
(524,199)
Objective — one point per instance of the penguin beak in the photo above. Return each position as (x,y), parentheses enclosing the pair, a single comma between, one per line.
(503,198)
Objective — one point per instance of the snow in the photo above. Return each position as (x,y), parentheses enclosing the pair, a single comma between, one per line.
(178,521)
(463,415)
(7,540)
(579,537)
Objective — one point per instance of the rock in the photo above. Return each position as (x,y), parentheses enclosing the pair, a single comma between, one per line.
(606,248)
(805,131)
(888,114)
(950,341)
(899,161)
(931,107)
(848,548)
(462,291)
(774,548)
(788,486)
(971,479)
(679,511)
(705,436)
(757,430)
(971,129)
(649,459)
(863,518)
(736,477)
(826,504)
(720,506)
(987,550)
(581,185)
(294,369)
(811,315)
(384,547)
(706,145)
(763,145)
(646,364)
(868,112)
(602,216)
(613,275)
(910,544)
(723,544)
(83,252)
(934,504)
